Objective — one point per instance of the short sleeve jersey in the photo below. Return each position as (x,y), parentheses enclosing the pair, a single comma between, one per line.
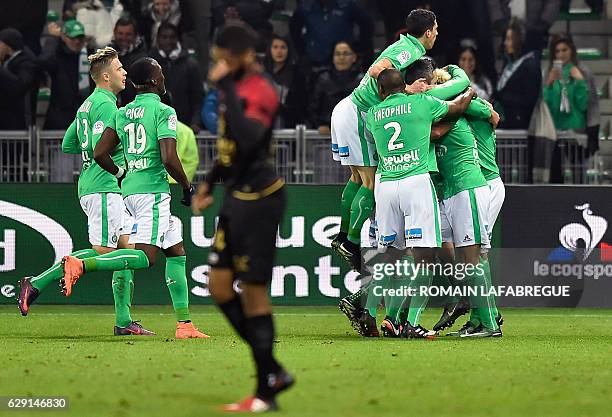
(140,125)
(401,53)
(95,114)
(401,126)
(478,115)
(458,160)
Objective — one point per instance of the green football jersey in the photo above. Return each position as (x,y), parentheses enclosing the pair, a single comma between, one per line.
(477,115)
(456,85)
(95,114)
(401,53)
(458,159)
(401,126)
(140,125)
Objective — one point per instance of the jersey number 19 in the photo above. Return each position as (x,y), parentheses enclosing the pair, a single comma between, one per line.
(137,138)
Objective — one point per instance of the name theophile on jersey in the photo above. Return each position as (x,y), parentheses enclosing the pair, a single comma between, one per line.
(387,112)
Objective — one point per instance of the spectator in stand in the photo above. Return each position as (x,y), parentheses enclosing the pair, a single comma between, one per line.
(182,74)
(64,58)
(255,13)
(98,18)
(17,82)
(520,82)
(327,22)
(480,83)
(570,91)
(332,86)
(158,12)
(289,80)
(131,47)
(28,18)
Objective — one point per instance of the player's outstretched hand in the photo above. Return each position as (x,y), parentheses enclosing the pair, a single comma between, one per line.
(187,196)
(202,199)
(419,86)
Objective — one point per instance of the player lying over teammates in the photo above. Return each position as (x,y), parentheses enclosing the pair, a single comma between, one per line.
(466,206)
(352,143)
(122,200)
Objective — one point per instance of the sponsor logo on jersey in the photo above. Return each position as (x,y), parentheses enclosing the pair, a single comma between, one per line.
(401,162)
(403,57)
(415,233)
(138,164)
(98,127)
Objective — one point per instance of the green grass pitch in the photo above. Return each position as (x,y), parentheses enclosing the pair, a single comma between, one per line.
(555,362)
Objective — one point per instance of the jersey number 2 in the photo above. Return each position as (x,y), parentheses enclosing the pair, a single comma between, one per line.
(397,129)
(137,137)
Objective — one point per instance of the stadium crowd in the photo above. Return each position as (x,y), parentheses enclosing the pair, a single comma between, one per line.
(316,52)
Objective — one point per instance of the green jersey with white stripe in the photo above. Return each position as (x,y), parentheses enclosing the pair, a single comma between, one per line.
(401,53)
(95,114)
(477,115)
(458,160)
(401,126)
(140,125)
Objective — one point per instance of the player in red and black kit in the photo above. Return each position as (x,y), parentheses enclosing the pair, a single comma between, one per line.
(245,241)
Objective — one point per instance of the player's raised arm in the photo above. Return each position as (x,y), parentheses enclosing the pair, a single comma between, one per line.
(70,143)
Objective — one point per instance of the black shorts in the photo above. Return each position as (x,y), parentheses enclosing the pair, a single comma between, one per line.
(245,240)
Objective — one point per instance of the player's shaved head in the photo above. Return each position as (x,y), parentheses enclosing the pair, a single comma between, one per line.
(142,72)
(421,68)
(390,81)
(147,76)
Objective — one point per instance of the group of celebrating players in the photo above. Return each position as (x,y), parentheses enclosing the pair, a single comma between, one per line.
(421,149)
(429,165)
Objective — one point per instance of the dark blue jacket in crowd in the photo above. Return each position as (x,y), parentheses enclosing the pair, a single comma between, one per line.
(327,22)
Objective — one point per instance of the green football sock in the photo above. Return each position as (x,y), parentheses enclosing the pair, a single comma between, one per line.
(488,282)
(176,280)
(372,300)
(56,272)
(442,281)
(418,302)
(361,208)
(122,293)
(348,195)
(479,302)
(117,261)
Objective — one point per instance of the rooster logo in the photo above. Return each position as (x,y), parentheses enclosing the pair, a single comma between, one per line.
(578,241)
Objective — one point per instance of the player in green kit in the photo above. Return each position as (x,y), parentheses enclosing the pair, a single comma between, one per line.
(353,145)
(407,207)
(483,120)
(464,216)
(146,128)
(100,197)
